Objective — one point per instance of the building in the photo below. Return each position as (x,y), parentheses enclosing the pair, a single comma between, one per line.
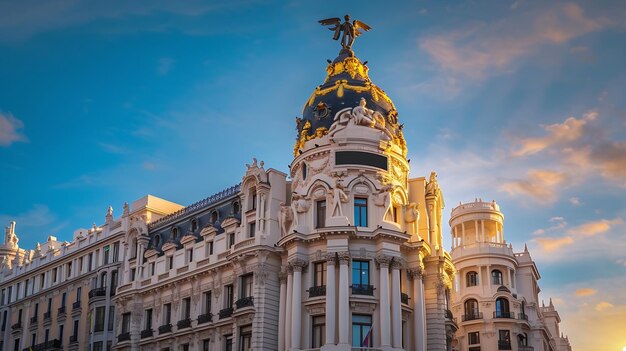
(497,292)
(343,253)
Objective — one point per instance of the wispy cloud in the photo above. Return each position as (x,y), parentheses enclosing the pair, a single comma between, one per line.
(550,244)
(594,227)
(540,184)
(586,292)
(165,65)
(603,306)
(10,130)
(38,220)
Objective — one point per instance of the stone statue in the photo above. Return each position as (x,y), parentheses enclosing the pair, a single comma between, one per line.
(298,205)
(366,117)
(10,238)
(432,187)
(126,209)
(339,197)
(382,198)
(350,30)
(411,212)
(109,216)
(340,121)
(285,218)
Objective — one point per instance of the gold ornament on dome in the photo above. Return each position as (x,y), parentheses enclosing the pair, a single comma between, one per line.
(342,84)
(304,136)
(350,65)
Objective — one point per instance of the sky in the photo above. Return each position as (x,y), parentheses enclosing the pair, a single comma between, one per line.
(523,102)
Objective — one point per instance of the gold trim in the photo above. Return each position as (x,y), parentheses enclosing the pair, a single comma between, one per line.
(342,84)
(304,136)
(350,65)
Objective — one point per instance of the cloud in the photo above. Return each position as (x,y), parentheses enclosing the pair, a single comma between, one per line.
(550,244)
(540,184)
(485,48)
(603,306)
(149,166)
(586,292)
(165,65)
(113,148)
(559,224)
(10,130)
(594,227)
(575,201)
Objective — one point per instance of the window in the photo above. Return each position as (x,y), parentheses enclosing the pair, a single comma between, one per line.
(107,250)
(174,233)
(17,345)
(111,318)
(246,285)
(360,272)
(148,319)
(522,339)
(304,170)
(214,216)
(471,279)
(4,320)
(54,275)
(228,296)
(36,312)
(231,240)
(26,287)
(251,229)
(245,338)
(496,277)
(79,291)
(504,339)
(228,342)
(19,316)
(132,274)
(320,214)
(194,225)
(167,313)
(362,330)
(126,322)
(253,198)
(49,305)
(184,347)
(63,298)
(236,207)
(186,311)
(206,301)
(157,241)
(502,308)
(471,310)
(206,343)
(76,327)
(80,269)
(97,346)
(61,327)
(69,269)
(114,280)
(170,262)
(90,262)
(319,273)
(318,334)
(189,255)
(360,212)
(210,248)
(151,268)
(46,335)
(473,338)
(42,281)
(99,321)
(116,252)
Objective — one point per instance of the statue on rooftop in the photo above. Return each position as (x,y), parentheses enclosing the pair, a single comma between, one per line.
(350,30)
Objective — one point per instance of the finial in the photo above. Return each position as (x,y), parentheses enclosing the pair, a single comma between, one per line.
(350,30)
(525,247)
(551,305)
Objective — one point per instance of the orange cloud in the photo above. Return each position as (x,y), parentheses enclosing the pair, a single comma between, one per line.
(553,244)
(10,130)
(603,306)
(586,292)
(540,184)
(594,227)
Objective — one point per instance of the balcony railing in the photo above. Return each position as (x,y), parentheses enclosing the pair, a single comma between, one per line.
(504,314)
(317,291)
(504,345)
(33,320)
(184,323)
(73,339)
(449,314)
(48,345)
(362,289)
(76,305)
(16,326)
(226,312)
(61,310)
(165,328)
(47,315)
(205,318)
(245,302)
(146,333)
(404,298)
(522,316)
(123,337)
(472,316)
(97,292)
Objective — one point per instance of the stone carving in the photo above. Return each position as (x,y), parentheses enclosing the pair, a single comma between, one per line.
(285,218)
(382,199)
(298,264)
(339,197)
(415,273)
(342,118)
(412,216)
(343,257)
(383,260)
(6,263)
(366,117)
(10,238)
(331,258)
(109,216)
(396,263)
(256,170)
(299,204)
(260,274)
(432,187)
(126,209)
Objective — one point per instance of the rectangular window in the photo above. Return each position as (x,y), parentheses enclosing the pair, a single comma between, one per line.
(245,338)
(318,335)
(360,272)
(90,262)
(111,318)
(26,287)
(504,340)
(79,291)
(184,347)
(17,345)
(206,300)
(231,240)
(69,269)
(99,320)
(253,204)
(19,316)
(132,274)
(320,214)
(36,312)
(76,328)
(228,342)
(49,305)
(63,298)
(210,248)
(251,229)
(151,268)
(4,320)
(148,319)
(126,322)
(189,255)
(97,346)
(473,338)
(362,330)
(33,339)
(360,212)
(228,296)
(319,273)
(107,250)
(246,285)
(206,344)
(167,313)
(170,262)
(46,335)
(61,327)
(42,281)
(116,252)
(17,291)
(186,311)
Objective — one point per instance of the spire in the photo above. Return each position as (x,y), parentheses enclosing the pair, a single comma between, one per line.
(525,247)
(551,305)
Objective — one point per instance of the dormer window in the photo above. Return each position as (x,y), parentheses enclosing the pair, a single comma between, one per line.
(236,207)
(214,214)
(174,233)
(194,225)
(157,241)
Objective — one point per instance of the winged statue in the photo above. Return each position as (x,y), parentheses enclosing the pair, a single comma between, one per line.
(350,30)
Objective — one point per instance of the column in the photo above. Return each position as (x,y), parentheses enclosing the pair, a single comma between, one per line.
(331,305)
(296,310)
(383,288)
(476,230)
(282,277)
(396,308)
(482,230)
(419,322)
(344,298)
(289,305)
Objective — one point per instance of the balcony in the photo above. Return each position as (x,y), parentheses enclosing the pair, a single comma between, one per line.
(504,345)
(245,302)
(315,291)
(362,289)
(76,305)
(16,326)
(472,316)
(46,346)
(47,315)
(97,292)
(205,318)
(165,328)
(184,323)
(33,320)
(404,298)
(525,348)
(504,314)
(522,316)
(123,337)
(73,339)
(226,312)
(61,311)
(147,333)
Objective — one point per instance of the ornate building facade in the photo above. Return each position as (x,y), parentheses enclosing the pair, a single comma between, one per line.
(343,253)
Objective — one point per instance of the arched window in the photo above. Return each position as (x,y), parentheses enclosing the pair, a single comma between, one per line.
(496,277)
(502,308)
(522,339)
(471,310)
(174,233)
(471,278)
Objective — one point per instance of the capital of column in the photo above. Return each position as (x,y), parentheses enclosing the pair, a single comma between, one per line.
(415,273)
(396,263)
(331,258)
(282,276)
(383,260)
(343,257)
(297,264)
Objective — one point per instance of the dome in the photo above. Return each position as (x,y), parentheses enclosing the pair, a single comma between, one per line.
(346,84)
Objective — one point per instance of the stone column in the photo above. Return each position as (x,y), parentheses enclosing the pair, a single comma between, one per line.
(419,321)
(297,265)
(344,299)
(385,317)
(289,304)
(282,277)
(331,304)
(396,308)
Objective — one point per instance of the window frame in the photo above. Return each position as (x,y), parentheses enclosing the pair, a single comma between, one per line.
(360,208)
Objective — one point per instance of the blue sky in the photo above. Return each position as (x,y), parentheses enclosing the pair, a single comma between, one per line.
(522,102)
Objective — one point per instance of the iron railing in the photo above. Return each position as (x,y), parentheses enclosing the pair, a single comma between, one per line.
(362,289)
(315,291)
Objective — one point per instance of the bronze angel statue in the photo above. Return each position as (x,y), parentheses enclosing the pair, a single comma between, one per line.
(350,30)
